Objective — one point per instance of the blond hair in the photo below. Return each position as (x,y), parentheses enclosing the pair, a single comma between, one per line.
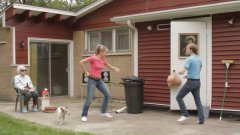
(193,47)
(100,48)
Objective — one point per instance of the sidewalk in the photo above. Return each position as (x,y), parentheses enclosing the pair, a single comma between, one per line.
(150,122)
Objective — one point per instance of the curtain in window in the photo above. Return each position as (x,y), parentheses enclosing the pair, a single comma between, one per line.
(106,39)
(122,39)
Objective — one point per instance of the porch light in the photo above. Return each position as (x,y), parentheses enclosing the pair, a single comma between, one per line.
(149,27)
(22,44)
(232,20)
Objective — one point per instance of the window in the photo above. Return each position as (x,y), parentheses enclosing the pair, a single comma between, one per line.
(122,39)
(1,22)
(117,40)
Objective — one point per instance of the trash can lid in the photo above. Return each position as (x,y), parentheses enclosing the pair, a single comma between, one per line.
(132,78)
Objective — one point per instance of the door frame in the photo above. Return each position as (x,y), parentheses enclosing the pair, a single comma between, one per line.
(70,58)
(208,58)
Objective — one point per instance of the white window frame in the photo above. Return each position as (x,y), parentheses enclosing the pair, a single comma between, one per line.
(114,34)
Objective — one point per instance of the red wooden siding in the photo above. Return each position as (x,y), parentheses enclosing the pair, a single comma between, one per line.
(226,45)
(101,17)
(154,62)
(155,5)
(32,27)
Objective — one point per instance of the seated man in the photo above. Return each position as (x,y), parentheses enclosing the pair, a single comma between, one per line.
(24,84)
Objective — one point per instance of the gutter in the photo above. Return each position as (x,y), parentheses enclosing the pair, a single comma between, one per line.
(80,13)
(135,47)
(209,9)
(2,15)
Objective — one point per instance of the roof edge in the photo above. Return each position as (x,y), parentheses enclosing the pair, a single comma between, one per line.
(80,13)
(43,9)
(92,7)
(200,10)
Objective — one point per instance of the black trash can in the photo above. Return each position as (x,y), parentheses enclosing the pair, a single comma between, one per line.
(133,94)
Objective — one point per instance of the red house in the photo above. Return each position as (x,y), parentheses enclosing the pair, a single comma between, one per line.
(146,38)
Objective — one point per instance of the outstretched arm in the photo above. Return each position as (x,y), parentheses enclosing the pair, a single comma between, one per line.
(109,66)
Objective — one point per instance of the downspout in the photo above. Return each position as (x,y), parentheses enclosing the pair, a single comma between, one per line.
(2,15)
(135,47)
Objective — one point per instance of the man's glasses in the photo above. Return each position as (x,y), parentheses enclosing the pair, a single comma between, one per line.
(23,70)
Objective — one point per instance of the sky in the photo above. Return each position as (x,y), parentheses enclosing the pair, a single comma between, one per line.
(73,1)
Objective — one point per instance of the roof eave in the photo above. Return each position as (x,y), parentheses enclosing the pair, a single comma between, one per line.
(180,12)
(43,9)
(90,8)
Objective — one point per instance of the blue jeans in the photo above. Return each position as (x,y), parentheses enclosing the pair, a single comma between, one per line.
(91,86)
(192,86)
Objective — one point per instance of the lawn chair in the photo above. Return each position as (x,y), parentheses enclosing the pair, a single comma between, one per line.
(19,97)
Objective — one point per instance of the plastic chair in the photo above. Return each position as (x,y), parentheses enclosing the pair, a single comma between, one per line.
(19,97)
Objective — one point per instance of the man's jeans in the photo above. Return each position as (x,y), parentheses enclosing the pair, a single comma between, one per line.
(91,86)
(192,86)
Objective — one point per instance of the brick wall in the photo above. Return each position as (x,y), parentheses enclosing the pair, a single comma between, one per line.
(7,71)
(124,62)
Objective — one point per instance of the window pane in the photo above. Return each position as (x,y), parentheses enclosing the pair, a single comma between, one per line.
(106,38)
(94,40)
(122,39)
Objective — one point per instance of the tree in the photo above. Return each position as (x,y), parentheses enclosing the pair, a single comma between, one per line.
(57,4)
(81,3)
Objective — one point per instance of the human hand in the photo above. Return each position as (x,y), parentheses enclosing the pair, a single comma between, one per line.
(117,69)
(32,89)
(26,89)
(185,76)
(87,73)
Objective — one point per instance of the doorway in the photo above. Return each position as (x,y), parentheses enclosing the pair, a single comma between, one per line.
(49,67)
(198,32)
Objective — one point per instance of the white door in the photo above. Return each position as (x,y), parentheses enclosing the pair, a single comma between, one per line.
(181,32)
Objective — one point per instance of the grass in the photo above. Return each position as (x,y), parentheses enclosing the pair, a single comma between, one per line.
(13,126)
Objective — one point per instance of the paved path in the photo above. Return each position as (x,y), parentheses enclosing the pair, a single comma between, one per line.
(150,122)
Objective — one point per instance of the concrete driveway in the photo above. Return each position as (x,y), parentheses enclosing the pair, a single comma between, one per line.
(151,122)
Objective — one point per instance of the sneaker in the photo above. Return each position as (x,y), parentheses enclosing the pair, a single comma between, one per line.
(106,115)
(84,119)
(24,109)
(34,109)
(183,118)
(200,123)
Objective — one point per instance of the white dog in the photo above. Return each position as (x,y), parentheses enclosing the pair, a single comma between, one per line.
(61,112)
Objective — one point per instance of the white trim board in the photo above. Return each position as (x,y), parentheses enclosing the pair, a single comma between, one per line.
(70,58)
(223,7)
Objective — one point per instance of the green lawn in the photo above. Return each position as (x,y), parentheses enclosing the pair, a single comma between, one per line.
(13,126)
